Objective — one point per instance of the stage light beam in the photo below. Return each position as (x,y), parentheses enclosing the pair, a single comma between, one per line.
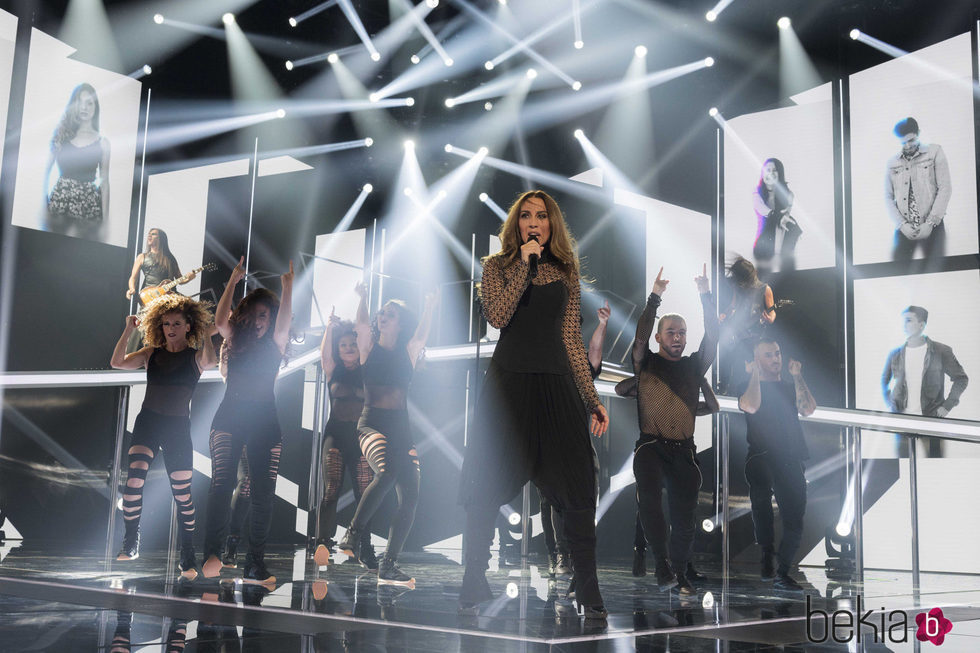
(783,23)
(158,19)
(228,18)
(640,51)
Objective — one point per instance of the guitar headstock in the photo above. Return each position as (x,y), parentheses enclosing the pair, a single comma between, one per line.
(210,267)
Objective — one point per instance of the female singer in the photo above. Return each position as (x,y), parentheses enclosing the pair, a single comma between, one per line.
(256,335)
(176,330)
(532,415)
(341,363)
(389,350)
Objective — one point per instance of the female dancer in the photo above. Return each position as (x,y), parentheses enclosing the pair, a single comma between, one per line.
(777,231)
(538,392)
(341,362)
(256,335)
(389,350)
(78,204)
(176,330)
(751,310)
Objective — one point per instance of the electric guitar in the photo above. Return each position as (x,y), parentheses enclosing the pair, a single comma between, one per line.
(150,293)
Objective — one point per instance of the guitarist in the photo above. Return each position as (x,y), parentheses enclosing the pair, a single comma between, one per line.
(157,263)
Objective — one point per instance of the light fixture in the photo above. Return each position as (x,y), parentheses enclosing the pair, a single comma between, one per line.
(374,97)
(280,113)
(289,65)
(708,601)
(713,111)
(146,69)
(448,148)
(484,197)
(783,23)
(483,151)
(441,195)
(415,58)
(158,19)
(333,57)
(708,525)
(375,56)
(407,191)
(368,142)
(409,102)
(579,45)
(228,18)
(576,85)
(531,73)
(709,61)
(449,62)
(514,518)
(487,106)
(578,133)
(488,65)
(512,590)
(292,22)
(450,103)
(367,188)
(855,34)
(843,530)
(409,145)
(431,4)
(710,16)
(640,50)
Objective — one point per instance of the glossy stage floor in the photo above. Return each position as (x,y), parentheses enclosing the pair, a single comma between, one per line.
(53,600)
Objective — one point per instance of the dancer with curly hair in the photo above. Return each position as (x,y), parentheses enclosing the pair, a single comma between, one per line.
(178,348)
(256,335)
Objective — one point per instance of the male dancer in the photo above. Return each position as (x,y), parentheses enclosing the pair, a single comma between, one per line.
(667,401)
(774,463)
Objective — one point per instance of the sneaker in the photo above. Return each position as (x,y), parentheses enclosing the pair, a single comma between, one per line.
(130,547)
(563,566)
(767,570)
(666,578)
(230,558)
(684,587)
(785,583)
(694,575)
(351,544)
(389,574)
(639,561)
(368,557)
(255,573)
(321,555)
(188,564)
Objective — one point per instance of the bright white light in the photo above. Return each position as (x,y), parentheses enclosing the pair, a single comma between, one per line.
(843,530)
(713,111)
(409,102)
(375,56)
(503,2)
(576,85)
(484,197)
(289,65)
(710,16)
(407,191)
(488,65)
(483,151)
(280,113)
(292,22)
(512,590)
(146,69)
(409,145)
(374,97)
(783,23)
(441,195)
(708,525)
(487,106)
(448,148)
(578,133)
(531,73)
(514,519)
(415,58)
(708,601)
(579,45)
(158,19)
(432,4)
(855,34)
(450,103)
(709,61)
(448,62)
(228,18)
(367,188)
(368,142)
(333,57)
(640,50)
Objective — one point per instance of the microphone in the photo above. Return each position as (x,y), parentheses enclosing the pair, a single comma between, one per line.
(532,260)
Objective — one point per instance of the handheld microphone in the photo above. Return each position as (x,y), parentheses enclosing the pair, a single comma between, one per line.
(532,260)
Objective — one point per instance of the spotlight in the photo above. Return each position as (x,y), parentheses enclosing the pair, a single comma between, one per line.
(367,188)
(708,601)
(843,530)
(448,62)
(292,22)
(146,69)
(487,106)
(708,525)
(576,85)
(158,19)
(640,50)
(484,197)
(228,18)
(431,4)
(488,65)
(368,142)
(713,111)
(710,16)
(578,133)
(450,103)
(415,58)
(503,2)
(409,102)
(374,97)
(280,113)
(783,23)
(409,145)
(333,57)
(375,56)
(289,65)
(579,45)
(407,191)
(855,34)
(512,590)
(709,61)
(448,148)
(483,151)
(531,73)
(514,519)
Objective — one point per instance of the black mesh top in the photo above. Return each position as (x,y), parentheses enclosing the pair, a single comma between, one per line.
(346,393)
(170,381)
(387,374)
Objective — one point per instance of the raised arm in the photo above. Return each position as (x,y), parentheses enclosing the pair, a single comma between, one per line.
(417,343)
(498,294)
(805,403)
(362,324)
(134,276)
(751,399)
(284,320)
(644,325)
(768,305)
(327,362)
(598,338)
(222,313)
(709,343)
(120,359)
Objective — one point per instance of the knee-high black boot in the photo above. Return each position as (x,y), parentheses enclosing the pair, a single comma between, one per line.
(580,533)
(476,554)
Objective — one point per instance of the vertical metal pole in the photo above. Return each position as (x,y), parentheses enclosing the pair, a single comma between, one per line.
(469,333)
(725,486)
(914,503)
(121,407)
(314,496)
(526,521)
(139,205)
(251,210)
(858,528)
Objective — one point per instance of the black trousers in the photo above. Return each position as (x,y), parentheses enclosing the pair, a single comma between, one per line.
(933,247)
(553,525)
(769,475)
(658,464)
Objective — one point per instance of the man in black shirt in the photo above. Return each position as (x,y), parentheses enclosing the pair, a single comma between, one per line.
(776,453)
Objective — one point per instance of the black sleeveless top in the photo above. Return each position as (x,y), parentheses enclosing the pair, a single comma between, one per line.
(346,393)
(154,270)
(252,372)
(532,340)
(79,163)
(170,381)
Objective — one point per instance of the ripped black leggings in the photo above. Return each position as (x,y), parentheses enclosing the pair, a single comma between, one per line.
(341,453)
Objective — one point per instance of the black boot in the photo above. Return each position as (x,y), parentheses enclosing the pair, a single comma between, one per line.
(188,563)
(367,556)
(767,568)
(666,578)
(131,542)
(694,575)
(580,534)
(351,544)
(230,558)
(255,571)
(684,587)
(389,574)
(552,564)
(563,567)
(639,561)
